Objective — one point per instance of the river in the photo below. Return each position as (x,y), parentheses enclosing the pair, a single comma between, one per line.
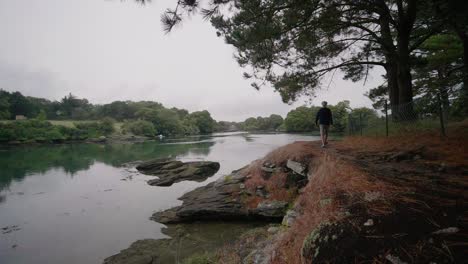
(77,204)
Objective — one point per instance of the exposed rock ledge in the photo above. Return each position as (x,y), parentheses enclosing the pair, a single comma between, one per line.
(185,240)
(221,200)
(170,171)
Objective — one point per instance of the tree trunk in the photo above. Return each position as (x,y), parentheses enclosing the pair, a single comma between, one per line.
(464,38)
(443,95)
(406,18)
(392,83)
(405,86)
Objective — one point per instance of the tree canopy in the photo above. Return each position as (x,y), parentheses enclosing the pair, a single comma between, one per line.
(296,46)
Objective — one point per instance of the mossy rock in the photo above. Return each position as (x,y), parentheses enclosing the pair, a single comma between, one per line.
(205,258)
(330,242)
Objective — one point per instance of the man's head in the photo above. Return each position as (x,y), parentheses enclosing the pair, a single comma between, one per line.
(324,103)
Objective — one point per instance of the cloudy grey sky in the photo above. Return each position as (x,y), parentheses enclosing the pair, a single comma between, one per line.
(106,50)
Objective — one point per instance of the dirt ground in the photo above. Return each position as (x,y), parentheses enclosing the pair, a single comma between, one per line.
(429,216)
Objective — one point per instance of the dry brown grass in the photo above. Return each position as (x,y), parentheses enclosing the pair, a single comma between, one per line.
(452,149)
(345,184)
(300,151)
(335,183)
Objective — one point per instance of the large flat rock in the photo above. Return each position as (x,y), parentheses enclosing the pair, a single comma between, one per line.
(220,200)
(170,171)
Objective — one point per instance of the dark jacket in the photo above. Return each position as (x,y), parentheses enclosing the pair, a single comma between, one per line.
(324,116)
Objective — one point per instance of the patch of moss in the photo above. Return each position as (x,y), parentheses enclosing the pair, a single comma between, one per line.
(227,178)
(312,240)
(205,258)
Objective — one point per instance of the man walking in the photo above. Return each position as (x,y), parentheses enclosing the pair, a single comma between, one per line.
(324,119)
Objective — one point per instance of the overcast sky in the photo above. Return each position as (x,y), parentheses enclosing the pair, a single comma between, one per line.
(111,50)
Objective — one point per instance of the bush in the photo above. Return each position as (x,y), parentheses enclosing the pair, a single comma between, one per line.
(43,131)
(95,129)
(139,128)
(107,126)
(32,130)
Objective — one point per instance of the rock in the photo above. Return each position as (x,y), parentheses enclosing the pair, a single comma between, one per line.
(184,241)
(330,243)
(101,139)
(325,202)
(369,222)
(448,230)
(214,201)
(268,169)
(261,192)
(273,209)
(170,171)
(256,257)
(289,218)
(372,196)
(295,180)
(9,229)
(394,259)
(443,167)
(297,167)
(413,154)
(220,200)
(273,229)
(139,252)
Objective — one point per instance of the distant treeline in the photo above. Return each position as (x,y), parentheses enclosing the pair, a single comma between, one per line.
(302,119)
(140,118)
(41,131)
(144,118)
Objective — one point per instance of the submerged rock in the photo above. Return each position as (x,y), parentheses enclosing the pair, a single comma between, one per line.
(185,240)
(170,171)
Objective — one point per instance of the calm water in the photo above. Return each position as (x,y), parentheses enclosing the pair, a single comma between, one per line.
(78,204)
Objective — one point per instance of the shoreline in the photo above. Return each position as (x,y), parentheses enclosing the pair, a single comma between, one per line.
(357,190)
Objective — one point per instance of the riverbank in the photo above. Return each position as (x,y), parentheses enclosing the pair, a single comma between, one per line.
(398,199)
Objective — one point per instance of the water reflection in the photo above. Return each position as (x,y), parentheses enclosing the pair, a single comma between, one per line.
(18,162)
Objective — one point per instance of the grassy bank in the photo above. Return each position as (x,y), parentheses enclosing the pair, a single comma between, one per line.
(369,199)
(38,131)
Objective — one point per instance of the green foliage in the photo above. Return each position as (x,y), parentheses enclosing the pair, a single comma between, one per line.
(225,126)
(271,123)
(95,129)
(139,128)
(301,119)
(5,115)
(190,127)
(340,116)
(200,259)
(31,130)
(203,120)
(43,131)
(4,107)
(166,121)
(107,125)
(42,115)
